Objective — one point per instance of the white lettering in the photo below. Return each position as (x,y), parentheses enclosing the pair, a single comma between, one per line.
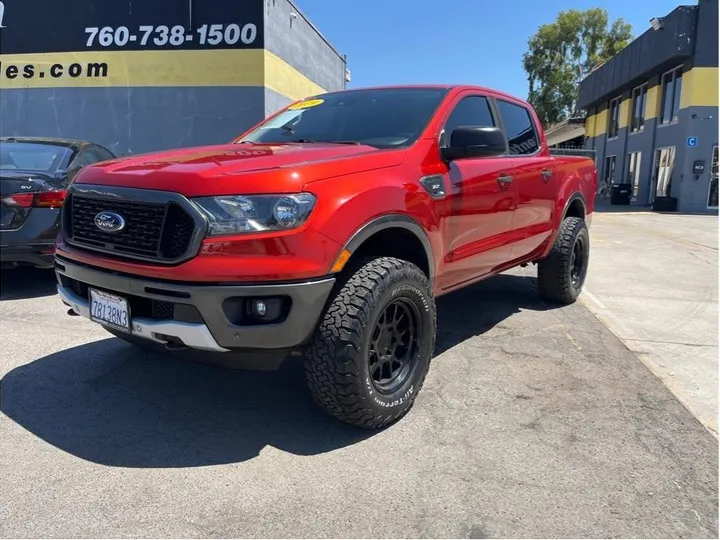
(416,291)
(163,35)
(2,15)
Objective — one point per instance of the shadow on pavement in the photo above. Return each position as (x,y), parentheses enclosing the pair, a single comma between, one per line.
(27,282)
(112,403)
(475,310)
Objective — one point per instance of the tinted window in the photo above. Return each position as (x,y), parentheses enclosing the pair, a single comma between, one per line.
(30,156)
(385,118)
(98,153)
(82,159)
(519,128)
(470,111)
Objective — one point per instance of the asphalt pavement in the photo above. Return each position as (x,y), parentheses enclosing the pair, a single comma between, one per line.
(534,422)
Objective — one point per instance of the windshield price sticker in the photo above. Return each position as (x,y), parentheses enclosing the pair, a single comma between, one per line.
(306,104)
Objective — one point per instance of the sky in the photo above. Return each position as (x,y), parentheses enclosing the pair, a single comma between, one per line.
(452,41)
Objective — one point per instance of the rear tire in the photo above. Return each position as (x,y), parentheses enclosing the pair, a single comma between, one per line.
(561,275)
(371,352)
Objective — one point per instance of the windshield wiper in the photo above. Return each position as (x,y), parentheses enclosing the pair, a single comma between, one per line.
(324,142)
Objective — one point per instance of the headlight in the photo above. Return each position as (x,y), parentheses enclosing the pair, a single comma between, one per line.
(234,214)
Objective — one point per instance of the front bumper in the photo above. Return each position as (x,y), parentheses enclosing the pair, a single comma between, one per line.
(202,316)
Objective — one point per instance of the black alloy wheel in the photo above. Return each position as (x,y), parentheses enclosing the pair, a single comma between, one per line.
(577,262)
(369,357)
(393,345)
(561,275)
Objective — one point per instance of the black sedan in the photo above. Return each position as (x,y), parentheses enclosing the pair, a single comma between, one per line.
(35,173)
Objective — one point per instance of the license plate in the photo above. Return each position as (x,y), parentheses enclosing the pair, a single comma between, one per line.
(109,310)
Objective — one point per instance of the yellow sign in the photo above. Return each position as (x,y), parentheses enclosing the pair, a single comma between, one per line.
(306,104)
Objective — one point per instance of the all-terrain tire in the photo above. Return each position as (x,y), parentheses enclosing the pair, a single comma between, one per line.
(555,272)
(337,364)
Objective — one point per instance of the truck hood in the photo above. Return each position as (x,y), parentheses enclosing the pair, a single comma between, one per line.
(239,168)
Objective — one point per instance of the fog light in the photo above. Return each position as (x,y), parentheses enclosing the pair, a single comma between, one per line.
(259,308)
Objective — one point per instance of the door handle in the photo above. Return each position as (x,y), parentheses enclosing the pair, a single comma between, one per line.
(546,174)
(504,180)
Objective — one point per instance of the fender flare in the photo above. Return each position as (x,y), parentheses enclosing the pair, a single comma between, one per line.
(577,195)
(390,221)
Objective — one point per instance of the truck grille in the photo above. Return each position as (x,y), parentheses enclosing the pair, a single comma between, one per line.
(152,231)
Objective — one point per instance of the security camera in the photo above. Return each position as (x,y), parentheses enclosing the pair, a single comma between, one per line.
(293,15)
(656,23)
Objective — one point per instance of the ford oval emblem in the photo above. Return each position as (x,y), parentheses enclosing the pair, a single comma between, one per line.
(109,222)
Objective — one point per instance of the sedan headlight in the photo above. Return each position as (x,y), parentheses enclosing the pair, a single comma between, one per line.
(235,214)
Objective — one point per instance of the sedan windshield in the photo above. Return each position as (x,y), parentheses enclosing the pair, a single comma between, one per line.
(30,156)
(384,118)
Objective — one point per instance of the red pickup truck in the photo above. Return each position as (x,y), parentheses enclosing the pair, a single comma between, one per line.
(327,231)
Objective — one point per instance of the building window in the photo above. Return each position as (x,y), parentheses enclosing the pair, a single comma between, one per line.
(614,118)
(671,84)
(713,193)
(664,163)
(633,173)
(609,172)
(637,112)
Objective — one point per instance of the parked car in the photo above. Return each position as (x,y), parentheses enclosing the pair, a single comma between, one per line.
(328,230)
(34,175)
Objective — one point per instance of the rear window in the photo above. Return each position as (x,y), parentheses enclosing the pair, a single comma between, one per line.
(30,157)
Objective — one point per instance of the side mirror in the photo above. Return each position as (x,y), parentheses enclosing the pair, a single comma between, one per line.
(475,141)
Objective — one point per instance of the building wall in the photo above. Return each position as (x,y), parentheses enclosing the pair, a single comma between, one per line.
(131,120)
(697,118)
(692,192)
(165,88)
(294,40)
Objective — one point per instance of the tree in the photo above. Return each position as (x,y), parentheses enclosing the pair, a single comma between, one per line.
(564,52)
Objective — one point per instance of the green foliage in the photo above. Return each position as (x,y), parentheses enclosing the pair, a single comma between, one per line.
(564,52)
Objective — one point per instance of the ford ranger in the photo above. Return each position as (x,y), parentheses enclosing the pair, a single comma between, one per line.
(327,231)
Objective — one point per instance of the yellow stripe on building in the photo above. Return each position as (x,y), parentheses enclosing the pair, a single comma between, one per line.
(601,120)
(624,112)
(590,126)
(226,67)
(286,80)
(700,88)
(652,102)
(133,68)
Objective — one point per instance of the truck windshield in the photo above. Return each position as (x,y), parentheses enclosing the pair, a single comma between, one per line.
(383,118)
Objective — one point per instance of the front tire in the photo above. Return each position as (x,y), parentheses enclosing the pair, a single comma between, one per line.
(371,352)
(561,275)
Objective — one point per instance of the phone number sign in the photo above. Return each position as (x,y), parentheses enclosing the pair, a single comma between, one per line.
(161,36)
(44,26)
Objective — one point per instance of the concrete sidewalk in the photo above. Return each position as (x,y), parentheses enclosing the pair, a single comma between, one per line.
(653,280)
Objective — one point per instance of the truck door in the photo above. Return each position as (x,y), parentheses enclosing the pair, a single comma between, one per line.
(480,202)
(534,179)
